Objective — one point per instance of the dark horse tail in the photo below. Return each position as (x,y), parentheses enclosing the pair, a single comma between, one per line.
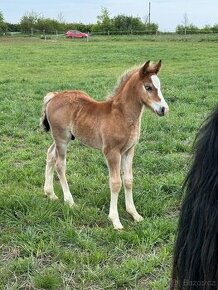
(44,120)
(195,263)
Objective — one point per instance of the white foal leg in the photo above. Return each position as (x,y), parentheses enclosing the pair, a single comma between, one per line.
(61,169)
(49,173)
(114,160)
(127,159)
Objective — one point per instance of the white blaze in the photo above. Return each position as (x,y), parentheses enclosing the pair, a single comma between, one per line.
(156,83)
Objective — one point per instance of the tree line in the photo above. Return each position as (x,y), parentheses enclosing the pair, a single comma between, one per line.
(35,21)
(192,29)
(105,24)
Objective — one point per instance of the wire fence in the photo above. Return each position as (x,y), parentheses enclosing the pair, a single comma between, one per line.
(49,33)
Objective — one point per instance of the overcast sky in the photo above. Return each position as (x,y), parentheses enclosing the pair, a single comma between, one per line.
(166,13)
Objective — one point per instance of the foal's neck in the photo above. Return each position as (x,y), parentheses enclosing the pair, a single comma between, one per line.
(129,103)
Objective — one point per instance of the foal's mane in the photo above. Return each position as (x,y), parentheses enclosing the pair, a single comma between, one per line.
(121,82)
(196,247)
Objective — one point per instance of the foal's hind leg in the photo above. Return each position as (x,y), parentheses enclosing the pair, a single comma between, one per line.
(49,173)
(127,159)
(61,149)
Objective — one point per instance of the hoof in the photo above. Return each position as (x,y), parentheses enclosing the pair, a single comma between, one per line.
(70,203)
(51,196)
(54,197)
(138,218)
(118,227)
(116,223)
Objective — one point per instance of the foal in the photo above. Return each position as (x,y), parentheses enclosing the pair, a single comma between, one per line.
(112,126)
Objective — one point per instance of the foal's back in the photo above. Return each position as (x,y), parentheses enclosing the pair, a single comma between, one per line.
(76,113)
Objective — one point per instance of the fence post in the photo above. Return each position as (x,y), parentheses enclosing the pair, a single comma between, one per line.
(44,34)
(31,31)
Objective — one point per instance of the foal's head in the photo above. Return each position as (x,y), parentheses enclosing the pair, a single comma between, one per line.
(150,93)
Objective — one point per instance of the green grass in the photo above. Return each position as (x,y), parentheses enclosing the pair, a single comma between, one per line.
(46,245)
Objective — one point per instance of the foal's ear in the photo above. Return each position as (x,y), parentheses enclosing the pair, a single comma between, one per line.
(157,67)
(144,70)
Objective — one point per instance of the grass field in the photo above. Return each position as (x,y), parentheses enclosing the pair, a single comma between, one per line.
(46,245)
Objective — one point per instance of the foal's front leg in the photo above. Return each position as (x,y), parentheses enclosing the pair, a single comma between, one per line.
(127,159)
(114,160)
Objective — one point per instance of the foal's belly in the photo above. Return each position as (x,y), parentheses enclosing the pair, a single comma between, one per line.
(88,137)
(91,142)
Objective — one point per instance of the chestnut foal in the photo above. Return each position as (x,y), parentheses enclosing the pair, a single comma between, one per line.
(112,125)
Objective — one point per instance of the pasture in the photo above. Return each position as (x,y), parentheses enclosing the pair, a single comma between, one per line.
(47,245)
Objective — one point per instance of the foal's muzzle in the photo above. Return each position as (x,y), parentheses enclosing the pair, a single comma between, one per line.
(162,111)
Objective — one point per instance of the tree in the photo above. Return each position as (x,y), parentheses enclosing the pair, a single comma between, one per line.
(48,25)
(127,23)
(61,17)
(185,20)
(13,27)
(78,26)
(214,28)
(3,26)
(189,29)
(206,29)
(151,28)
(103,20)
(186,27)
(1,17)
(121,24)
(29,20)
(182,28)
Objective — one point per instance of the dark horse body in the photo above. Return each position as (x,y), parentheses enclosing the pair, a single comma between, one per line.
(195,264)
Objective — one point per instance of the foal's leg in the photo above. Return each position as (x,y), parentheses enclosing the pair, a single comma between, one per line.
(49,173)
(127,159)
(61,149)
(114,160)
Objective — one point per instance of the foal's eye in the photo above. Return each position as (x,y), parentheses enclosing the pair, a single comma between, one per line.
(148,88)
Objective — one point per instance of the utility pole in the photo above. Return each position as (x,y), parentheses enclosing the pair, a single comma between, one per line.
(149,12)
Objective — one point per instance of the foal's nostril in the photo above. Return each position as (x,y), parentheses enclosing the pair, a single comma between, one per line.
(163,110)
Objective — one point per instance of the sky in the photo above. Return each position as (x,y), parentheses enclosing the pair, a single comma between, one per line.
(166,13)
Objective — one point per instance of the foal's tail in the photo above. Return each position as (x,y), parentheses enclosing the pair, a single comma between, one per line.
(44,120)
